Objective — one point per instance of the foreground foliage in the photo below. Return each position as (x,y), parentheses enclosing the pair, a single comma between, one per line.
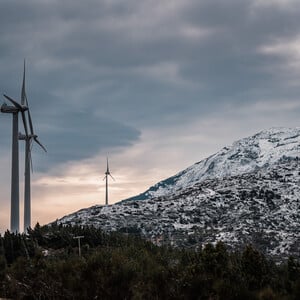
(44,264)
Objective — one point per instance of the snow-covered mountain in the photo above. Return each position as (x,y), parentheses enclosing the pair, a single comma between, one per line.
(244,156)
(246,193)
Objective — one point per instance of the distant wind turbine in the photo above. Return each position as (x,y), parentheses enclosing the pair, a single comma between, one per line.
(29,139)
(107,173)
(15,204)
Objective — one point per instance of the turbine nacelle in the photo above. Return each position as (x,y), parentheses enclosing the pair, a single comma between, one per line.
(20,107)
(17,107)
(107,173)
(23,137)
(7,109)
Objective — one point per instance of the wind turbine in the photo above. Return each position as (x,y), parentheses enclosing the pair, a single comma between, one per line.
(29,139)
(107,173)
(15,204)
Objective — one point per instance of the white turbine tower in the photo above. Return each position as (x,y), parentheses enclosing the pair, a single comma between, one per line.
(107,173)
(15,203)
(29,139)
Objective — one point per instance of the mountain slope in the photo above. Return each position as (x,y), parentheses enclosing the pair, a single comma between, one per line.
(251,194)
(245,155)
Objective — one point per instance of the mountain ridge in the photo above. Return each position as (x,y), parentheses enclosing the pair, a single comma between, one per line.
(214,165)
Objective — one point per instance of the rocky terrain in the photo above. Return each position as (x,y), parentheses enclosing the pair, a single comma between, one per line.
(246,193)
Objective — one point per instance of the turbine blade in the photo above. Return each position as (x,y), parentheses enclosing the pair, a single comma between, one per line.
(30,156)
(31,144)
(24,101)
(16,104)
(104,177)
(23,93)
(31,164)
(112,177)
(24,122)
(29,119)
(39,143)
(107,167)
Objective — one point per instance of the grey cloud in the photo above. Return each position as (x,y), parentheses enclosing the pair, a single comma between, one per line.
(80,135)
(112,58)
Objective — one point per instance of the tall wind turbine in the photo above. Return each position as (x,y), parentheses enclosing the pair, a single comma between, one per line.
(107,173)
(15,204)
(29,139)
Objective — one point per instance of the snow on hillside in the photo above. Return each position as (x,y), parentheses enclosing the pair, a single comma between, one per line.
(261,208)
(244,156)
(246,193)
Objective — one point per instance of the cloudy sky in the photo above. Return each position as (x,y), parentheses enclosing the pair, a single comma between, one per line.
(155,85)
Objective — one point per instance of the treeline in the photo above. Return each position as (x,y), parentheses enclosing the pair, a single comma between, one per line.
(45,264)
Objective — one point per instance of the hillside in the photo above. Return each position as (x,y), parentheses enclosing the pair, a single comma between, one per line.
(246,193)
